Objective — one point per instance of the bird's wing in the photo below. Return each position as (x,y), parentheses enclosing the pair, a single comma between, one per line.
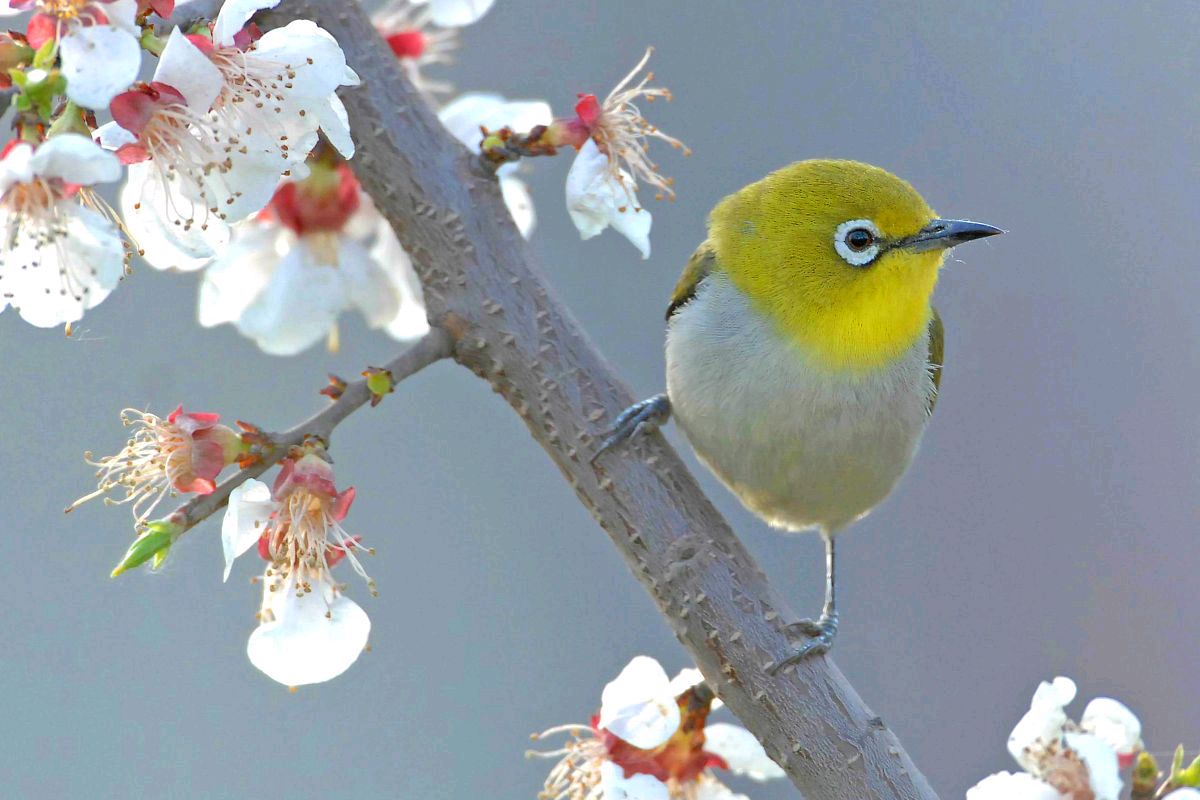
(698,266)
(937,355)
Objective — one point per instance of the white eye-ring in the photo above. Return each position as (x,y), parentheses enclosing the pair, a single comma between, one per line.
(857,241)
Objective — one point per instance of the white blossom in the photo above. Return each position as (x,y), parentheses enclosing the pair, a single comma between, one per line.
(596,200)
(61,251)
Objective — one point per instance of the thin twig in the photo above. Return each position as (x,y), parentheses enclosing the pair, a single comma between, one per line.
(434,346)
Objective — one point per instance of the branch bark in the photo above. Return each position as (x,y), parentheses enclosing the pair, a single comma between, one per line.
(512,331)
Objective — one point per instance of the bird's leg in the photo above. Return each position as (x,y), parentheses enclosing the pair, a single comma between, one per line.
(823,631)
(641,417)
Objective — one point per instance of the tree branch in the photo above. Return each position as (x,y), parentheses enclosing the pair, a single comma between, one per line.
(434,346)
(510,329)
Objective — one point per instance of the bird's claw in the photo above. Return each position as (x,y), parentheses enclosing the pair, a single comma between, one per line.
(642,417)
(820,633)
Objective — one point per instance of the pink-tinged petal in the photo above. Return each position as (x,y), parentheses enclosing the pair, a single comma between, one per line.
(190,73)
(132,110)
(208,459)
(202,43)
(588,110)
(247,36)
(132,154)
(342,503)
(42,28)
(164,8)
(284,478)
(99,62)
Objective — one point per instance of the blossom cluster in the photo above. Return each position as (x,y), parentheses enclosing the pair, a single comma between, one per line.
(309,631)
(1066,760)
(234,158)
(651,740)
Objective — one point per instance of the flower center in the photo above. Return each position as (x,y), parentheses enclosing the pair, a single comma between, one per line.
(408,43)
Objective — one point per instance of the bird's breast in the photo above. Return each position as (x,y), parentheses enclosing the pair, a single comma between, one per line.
(801,445)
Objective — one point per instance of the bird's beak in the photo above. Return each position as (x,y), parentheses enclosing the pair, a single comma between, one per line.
(941,234)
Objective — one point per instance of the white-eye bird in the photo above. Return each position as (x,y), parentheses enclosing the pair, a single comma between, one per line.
(803,355)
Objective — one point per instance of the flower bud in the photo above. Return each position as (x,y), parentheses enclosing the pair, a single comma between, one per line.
(154,543)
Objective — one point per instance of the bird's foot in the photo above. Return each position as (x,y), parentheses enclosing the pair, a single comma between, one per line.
(642,417)
(820,633)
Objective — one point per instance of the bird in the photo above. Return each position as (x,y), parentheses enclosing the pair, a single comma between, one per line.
(803,353)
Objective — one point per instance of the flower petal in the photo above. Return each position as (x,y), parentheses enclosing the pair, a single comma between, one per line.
(1043,723)
(368,287)
(314,637)
(250,507)
(187,240)
(615,786)
(1184,794)
(240,273)
(52,284)
(335,124)
(112,136)
(638,706)
(99,62)
(298,307)
(1101,761)
(738,748)
(519,202)
(74,158)
(411,321)
(595,200)
(189,71)
(457,13)
(1113,722)
(1010,786)
(16,166)
(233,16)
(466,113)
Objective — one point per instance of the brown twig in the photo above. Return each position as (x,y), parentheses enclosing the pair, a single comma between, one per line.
(511,330)
(434,346)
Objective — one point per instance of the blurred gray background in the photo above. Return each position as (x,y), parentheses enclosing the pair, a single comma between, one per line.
(1048,526)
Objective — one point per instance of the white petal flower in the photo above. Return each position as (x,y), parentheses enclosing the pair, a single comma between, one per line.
(1184,794)
(1010,786)
(1113,722)
(1043,723)
(741,751)
(638,705)
(61,253)
(299,305)
(456,13)
(595,200)
(615,786)
(307,637)
(167,240)
(464,116)
(250,508)
(99,62)
(1101,762)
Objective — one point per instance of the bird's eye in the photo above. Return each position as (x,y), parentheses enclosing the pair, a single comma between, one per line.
(860,239)
(858,242)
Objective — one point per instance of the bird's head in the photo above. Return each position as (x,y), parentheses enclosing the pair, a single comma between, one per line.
(840,255)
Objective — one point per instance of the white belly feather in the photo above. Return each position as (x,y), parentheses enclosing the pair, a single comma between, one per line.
(800,446)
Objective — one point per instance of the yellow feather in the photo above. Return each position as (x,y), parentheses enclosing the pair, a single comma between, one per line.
(775,240)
